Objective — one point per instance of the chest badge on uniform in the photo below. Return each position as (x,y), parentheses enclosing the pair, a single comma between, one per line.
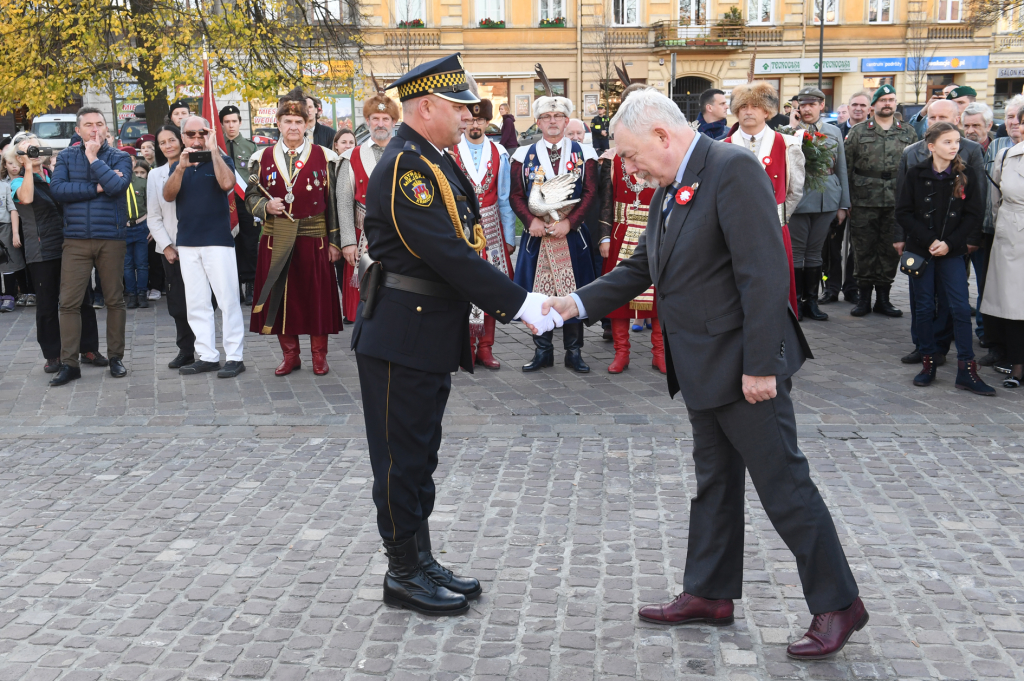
(415,187)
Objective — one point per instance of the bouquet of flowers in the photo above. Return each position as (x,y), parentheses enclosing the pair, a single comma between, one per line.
(819,156)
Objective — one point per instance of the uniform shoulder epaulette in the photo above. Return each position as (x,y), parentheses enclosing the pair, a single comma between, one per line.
(413,147)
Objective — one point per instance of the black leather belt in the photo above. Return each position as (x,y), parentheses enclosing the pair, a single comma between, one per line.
(421,286)
(876,174)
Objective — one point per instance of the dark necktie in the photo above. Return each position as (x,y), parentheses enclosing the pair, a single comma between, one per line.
(670,203)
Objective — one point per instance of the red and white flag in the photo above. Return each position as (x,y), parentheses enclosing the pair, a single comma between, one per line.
(210,113)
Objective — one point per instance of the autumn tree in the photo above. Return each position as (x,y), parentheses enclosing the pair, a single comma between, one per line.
(51,50)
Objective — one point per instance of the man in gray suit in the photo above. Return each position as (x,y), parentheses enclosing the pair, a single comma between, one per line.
(943,111)
(808,226)
(732,346)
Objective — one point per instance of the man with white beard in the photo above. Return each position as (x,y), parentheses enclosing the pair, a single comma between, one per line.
(381,114)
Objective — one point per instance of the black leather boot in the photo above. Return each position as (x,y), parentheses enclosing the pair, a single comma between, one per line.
(406,585)
(809,306)
(545,354)
(467,586)
(572,339)
(248,293)
(798,280)
(882,304)
(863,305)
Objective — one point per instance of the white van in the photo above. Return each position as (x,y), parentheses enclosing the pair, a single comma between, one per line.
(54,130)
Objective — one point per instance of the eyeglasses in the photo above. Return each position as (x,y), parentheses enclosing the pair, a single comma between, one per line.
(192,134)
(551,117)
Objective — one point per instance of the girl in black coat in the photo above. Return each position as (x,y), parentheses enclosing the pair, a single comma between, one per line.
(940,208)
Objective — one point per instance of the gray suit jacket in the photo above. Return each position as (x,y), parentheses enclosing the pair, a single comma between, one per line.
(837,188)
(721,276)
(971,153)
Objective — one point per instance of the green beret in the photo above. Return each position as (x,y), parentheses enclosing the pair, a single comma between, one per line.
(962,91)
(882,91)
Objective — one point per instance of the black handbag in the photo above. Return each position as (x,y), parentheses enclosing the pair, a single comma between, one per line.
(914,265)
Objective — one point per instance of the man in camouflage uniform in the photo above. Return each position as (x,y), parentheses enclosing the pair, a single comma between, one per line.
(873,152)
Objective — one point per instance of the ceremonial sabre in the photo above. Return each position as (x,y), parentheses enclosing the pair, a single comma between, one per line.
(256,180)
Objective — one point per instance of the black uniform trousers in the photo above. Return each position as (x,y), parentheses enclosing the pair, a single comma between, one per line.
(45,277)
(403,438)
(760,438)
(176,307)
(839,278)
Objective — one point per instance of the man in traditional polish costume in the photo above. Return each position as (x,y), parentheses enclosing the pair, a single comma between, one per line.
(381,114)
(296,287)
(754,104)
(625,201)
(553,256)
(486,165)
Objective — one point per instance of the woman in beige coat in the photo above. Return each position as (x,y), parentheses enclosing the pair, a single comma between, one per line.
(1003,302)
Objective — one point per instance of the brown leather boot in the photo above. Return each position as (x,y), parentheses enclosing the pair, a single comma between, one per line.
(291,361)
(484,352)
(319,346)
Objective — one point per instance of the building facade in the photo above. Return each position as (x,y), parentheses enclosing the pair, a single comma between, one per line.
(683,47)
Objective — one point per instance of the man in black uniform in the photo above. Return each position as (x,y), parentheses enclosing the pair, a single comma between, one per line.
(422,226)
(599,131)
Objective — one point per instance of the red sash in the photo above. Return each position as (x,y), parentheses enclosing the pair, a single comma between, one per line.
(362,179)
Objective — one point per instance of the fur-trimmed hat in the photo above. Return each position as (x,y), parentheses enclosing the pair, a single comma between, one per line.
(543,105)
(379,103)
(483,109)
(759,94)
(293,104)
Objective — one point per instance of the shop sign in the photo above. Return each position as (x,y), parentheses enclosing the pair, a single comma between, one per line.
(1010,73)
(806,65)
(883,64)
(959,63)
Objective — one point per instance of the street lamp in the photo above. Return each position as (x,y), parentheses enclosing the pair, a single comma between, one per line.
(821,40)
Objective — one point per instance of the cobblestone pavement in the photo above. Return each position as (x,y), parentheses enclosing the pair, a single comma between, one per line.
(161,527)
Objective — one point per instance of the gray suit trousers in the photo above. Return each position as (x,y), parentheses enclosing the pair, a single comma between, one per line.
(761,438)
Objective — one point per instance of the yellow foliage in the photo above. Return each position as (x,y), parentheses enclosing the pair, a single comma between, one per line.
(51,50)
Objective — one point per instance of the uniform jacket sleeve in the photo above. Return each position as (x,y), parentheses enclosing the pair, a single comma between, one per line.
(428,233)
(255,201)
(840,171)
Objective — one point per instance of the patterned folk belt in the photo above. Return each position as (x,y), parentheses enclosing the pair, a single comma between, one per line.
(315,226)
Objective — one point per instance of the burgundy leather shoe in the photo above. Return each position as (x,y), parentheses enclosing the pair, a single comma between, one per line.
(687,608)
(829,632)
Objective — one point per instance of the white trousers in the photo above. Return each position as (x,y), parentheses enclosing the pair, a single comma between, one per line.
(212,267)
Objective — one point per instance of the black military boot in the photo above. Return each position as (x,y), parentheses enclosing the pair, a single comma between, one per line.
(809,308)
(882,304)
(544,356)
(572,339)
(863,305)
(467,586)
(248,293)
(406,585)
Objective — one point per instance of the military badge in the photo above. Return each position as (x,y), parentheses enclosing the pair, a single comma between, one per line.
(415,187)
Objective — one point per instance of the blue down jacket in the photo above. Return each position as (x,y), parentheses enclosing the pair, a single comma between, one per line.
(89,214)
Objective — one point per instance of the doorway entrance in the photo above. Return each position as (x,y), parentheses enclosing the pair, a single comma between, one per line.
(686,94)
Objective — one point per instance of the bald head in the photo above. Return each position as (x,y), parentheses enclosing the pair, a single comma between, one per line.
(945,111)
(575,130)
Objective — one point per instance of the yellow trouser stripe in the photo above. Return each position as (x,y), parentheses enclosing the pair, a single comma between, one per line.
(387,438)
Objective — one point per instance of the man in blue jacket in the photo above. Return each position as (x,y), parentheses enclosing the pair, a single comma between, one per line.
(90,180)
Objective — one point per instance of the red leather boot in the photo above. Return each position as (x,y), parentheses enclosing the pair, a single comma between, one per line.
(484,355)
(291,361)
(318,344)
(658,346)
(620,336)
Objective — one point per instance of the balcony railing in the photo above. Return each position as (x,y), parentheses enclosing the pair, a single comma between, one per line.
(711,36)
(412,37)
(950,33)
(1009,42)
